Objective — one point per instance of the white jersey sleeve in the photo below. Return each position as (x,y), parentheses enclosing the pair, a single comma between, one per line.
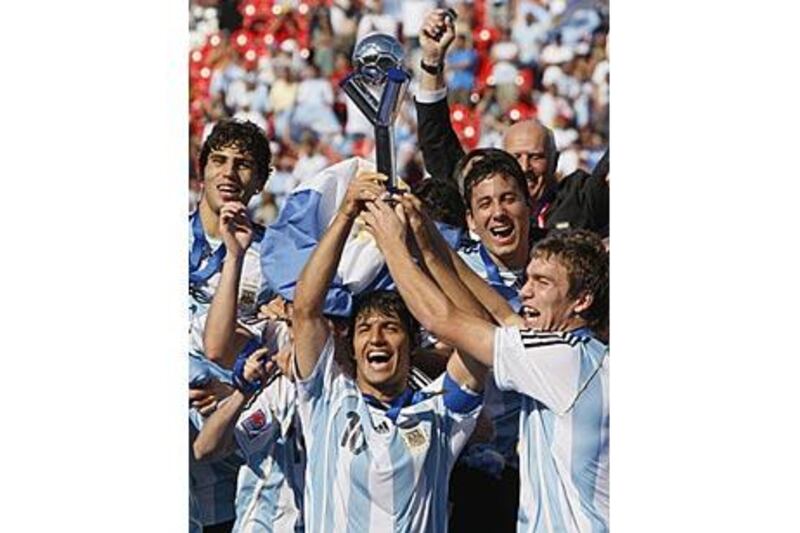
(266,418)
(550,367)
(320,381)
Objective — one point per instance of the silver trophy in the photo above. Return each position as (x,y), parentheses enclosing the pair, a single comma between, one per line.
(377,86)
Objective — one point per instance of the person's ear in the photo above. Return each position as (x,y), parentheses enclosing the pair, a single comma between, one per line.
(582,303)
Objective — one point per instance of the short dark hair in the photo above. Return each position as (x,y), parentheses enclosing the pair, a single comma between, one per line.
(481,164)
(583,255)
(244,135)
(442,201)
(387,303)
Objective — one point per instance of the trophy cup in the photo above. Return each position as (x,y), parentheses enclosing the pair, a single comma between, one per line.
(378,70)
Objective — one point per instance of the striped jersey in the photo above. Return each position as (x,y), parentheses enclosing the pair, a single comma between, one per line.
(378,467)
(501,407)
(205,263)
(212,485)
(563,426)
(270,494)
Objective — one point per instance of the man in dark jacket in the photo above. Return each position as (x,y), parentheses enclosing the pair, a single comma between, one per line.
(579,200)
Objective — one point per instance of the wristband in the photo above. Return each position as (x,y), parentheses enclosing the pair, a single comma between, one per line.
(240,382)
(432,69)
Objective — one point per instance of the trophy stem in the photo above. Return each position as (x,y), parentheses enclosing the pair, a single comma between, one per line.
(384,154)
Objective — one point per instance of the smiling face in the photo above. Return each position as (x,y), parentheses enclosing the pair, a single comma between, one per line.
(229,174)
(500,216)
(546,300)
(530,144)
(381,348)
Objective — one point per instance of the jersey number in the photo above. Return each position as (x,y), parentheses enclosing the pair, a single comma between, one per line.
(353,434)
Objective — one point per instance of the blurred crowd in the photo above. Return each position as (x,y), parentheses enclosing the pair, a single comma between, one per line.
(278,63)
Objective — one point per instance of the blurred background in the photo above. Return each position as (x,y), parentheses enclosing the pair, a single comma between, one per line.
(278,63)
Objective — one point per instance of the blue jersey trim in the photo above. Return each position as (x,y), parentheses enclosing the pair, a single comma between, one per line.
(459,399)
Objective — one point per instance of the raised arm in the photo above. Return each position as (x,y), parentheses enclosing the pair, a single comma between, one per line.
(222,341)
(445,264)
(310,327)
(470,335)
(436,258)
(440,146)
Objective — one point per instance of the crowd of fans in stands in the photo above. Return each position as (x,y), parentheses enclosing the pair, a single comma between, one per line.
(278,64)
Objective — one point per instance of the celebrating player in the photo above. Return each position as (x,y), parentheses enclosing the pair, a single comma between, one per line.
(379,454)
(553,359)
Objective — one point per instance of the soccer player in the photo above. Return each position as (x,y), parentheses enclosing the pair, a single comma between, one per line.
(234,161)
(498,212)
(262,425)
(380,454)
(553,358)
(259,420)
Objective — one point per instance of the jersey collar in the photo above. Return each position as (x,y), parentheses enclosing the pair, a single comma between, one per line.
(392,408)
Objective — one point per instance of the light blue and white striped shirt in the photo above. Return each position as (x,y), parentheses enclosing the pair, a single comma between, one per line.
(270,488)
(213,484)
(501,407)
(563,426)
(379,469)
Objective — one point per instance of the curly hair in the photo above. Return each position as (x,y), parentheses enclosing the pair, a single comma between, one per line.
(483,163)
(585,258)
(245,136)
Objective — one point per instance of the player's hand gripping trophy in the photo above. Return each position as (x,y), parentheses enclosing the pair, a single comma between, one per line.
(377,86)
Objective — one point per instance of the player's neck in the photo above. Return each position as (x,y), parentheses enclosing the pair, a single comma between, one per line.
(516,261)
(575,322)
(384,394)
(209,219)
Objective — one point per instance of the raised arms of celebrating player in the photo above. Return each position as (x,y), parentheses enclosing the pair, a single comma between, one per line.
(427,301)
(310,327)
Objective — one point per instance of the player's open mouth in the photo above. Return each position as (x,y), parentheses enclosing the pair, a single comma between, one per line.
(503,231)
(529,312)
(378,359)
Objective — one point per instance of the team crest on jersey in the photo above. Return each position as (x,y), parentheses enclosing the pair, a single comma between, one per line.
(248,293)
(416,439)
(255,424)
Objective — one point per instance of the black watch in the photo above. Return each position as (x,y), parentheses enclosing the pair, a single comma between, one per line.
(432,69)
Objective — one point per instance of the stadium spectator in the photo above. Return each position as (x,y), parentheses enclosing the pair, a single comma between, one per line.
(309,159)
(314,107)
(375,20)
(461,62)
(282,96)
